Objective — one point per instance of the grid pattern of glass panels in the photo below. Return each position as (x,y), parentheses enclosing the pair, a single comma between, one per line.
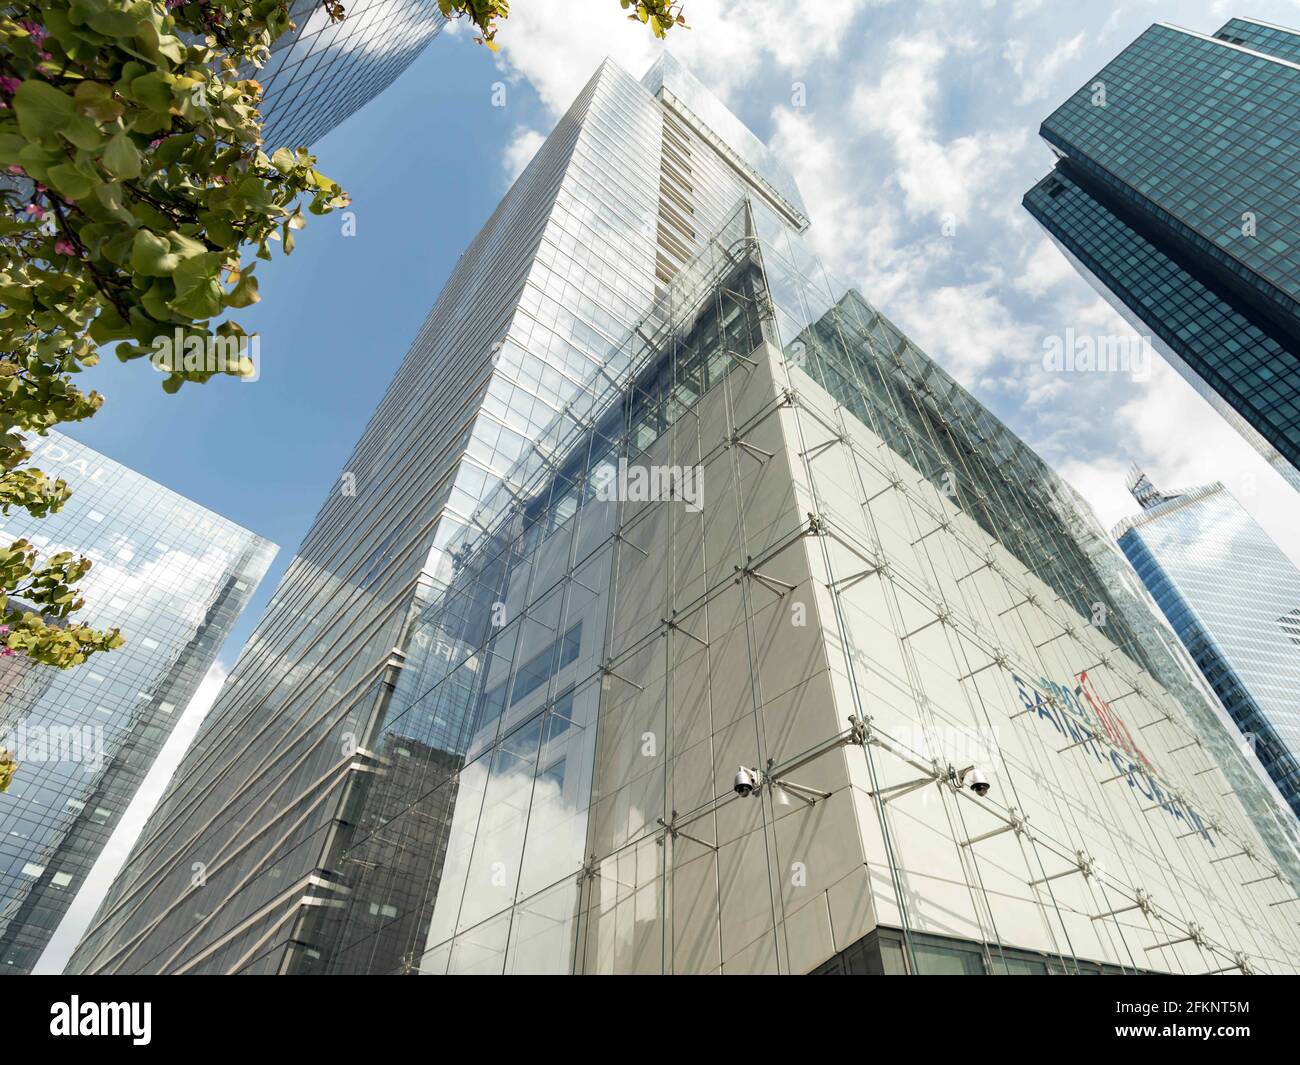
(544,660)
(1224,585)
(493,835)
(1164,142)
(1262,37)
(1176,191)
(174,577)
(558,275)
(323,71)
(882,953)
(412,768)
(1243,364)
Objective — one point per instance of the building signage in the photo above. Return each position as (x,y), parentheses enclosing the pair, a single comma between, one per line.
(1082,715)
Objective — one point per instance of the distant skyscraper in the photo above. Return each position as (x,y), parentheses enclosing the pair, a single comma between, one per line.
(1175,194)
(323,71)
(173,577)
(493,717)
(1233,598)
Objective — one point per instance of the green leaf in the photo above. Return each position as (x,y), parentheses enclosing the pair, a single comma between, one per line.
(283,160)
(122,158)
(83,132)
(42,109)
(96,99)
(153,90)
(244,294)
(69,182)
(10,145)
(152,255)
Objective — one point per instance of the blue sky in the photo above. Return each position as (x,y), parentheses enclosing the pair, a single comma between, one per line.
(914,146)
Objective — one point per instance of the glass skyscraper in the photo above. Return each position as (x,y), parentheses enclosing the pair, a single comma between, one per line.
(323,71)
(173,577)
(654,501)
(1174,193)
(1233,598)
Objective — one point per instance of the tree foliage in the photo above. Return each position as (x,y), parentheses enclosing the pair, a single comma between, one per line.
(135,183)
(487,15)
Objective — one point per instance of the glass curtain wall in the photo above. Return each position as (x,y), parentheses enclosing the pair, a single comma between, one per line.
(508,833)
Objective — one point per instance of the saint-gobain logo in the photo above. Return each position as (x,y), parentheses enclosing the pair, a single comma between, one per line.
(102,1018)
(240,356)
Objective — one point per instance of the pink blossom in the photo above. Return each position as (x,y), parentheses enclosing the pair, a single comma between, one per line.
(65,247)
(36,211)
(7,652)
(4,630)
(36,32)
(15,169)
(9,86)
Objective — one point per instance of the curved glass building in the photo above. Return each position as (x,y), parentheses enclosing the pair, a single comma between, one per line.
(324,70)
(1233,598)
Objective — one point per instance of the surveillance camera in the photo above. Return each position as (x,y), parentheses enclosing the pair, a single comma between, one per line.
(973,778)
(746,781)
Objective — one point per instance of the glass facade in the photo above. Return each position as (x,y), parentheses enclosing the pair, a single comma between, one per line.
(1174,193)
(625,190)
(491,721)
(1232,597)
(323,71)
(173,577)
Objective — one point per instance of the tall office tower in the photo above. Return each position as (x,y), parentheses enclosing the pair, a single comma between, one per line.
(173,577)
(1174,194)
(323,71)
(652,500)
(1233,598)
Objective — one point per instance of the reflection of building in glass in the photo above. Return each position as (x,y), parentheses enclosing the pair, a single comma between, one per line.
(1233,598)
(881,583)
(173,577)
(1187,220)
(323,71)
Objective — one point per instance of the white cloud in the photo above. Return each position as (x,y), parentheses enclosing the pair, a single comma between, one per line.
(1038,72)
(1046,269)
(520,151)
(945,178)
(966,328)
(727,42)
(113,857)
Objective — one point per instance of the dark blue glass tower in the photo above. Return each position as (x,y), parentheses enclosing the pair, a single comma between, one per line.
(1175,193)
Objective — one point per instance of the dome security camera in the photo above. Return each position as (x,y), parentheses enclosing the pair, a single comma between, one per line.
(745,783)
(974,778)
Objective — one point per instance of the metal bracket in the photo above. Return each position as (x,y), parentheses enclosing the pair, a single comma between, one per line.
(1082,864)
(671,626)
(1143,903)
(766,581)
(1195,934)
(670,830)
(1017,823)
